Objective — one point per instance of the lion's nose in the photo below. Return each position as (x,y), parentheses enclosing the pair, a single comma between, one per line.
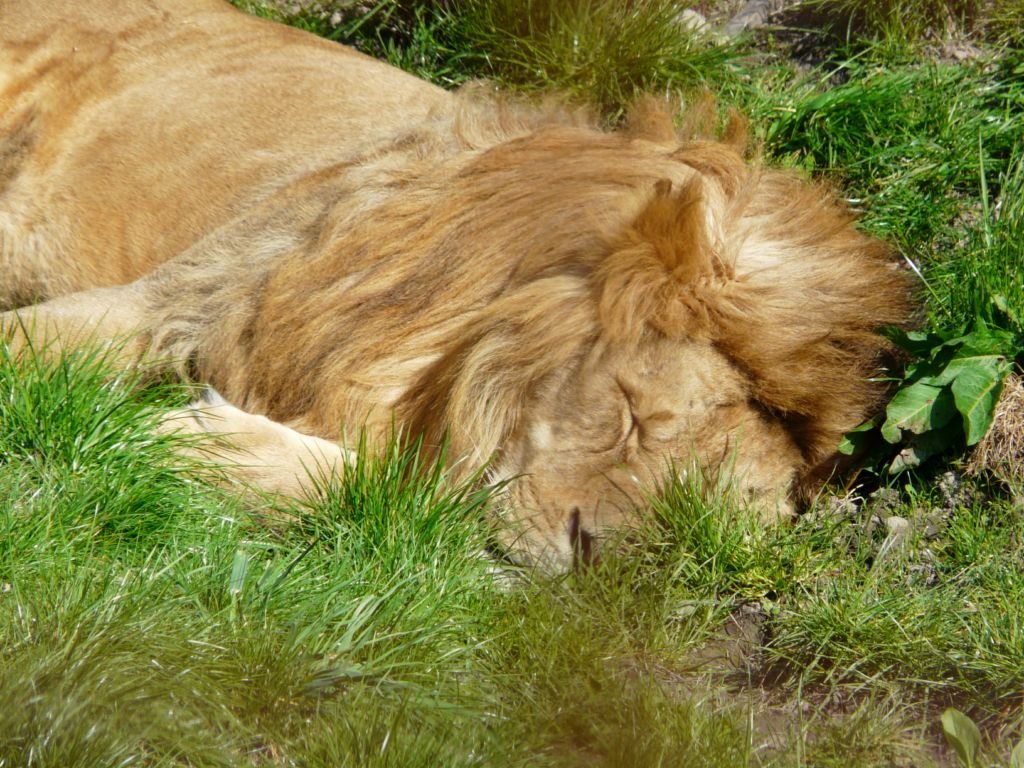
(582,541)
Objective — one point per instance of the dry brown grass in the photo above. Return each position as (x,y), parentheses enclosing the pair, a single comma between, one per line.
(1000,453)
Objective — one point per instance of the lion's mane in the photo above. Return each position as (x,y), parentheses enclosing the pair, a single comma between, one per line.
(437,278)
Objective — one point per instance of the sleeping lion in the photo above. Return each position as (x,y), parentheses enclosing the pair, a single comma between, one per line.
(335,246)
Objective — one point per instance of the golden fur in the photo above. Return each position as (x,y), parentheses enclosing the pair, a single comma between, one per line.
(336,245)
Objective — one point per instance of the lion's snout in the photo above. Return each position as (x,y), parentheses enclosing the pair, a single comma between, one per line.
(567,543)
(565,530)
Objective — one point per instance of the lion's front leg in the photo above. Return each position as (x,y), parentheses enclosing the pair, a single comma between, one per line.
(109,319)
(255,450)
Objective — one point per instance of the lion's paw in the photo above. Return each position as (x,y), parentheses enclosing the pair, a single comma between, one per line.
(254,449)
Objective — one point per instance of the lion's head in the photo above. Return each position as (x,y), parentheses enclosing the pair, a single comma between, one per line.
(727,328)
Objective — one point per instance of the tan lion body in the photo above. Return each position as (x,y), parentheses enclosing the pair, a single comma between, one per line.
(335,245)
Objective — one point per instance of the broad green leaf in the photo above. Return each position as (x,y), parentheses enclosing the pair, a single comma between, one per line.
(857,439)
(962,735)
(976,391)
(917,343)
(918,409)
(963,364)
(931,368)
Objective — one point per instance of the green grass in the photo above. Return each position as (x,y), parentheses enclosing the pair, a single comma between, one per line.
(899,24)
(904,27)
(944,621)
(150,617)
(600,52)
(147,613)
(982,277)
(912,145)
(370,631)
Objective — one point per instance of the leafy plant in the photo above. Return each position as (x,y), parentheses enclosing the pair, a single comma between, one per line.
(947,396)
(949,393)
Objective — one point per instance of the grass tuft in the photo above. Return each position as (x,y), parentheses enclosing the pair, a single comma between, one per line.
(602,52)
(899,24)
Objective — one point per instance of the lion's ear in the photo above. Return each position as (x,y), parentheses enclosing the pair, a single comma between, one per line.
(650,118)
(664,270)
(675,224)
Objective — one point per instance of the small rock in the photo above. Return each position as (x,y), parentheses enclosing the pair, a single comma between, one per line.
(693,21)
(843,506)
(899,528)
(950,488)
(884,499)
(897,524)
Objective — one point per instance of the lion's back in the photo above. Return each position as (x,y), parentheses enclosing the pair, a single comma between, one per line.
(127,131)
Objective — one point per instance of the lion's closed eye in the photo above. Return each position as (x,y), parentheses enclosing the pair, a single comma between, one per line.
(643,426)
(616,430)
(657,427)
(631,428)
